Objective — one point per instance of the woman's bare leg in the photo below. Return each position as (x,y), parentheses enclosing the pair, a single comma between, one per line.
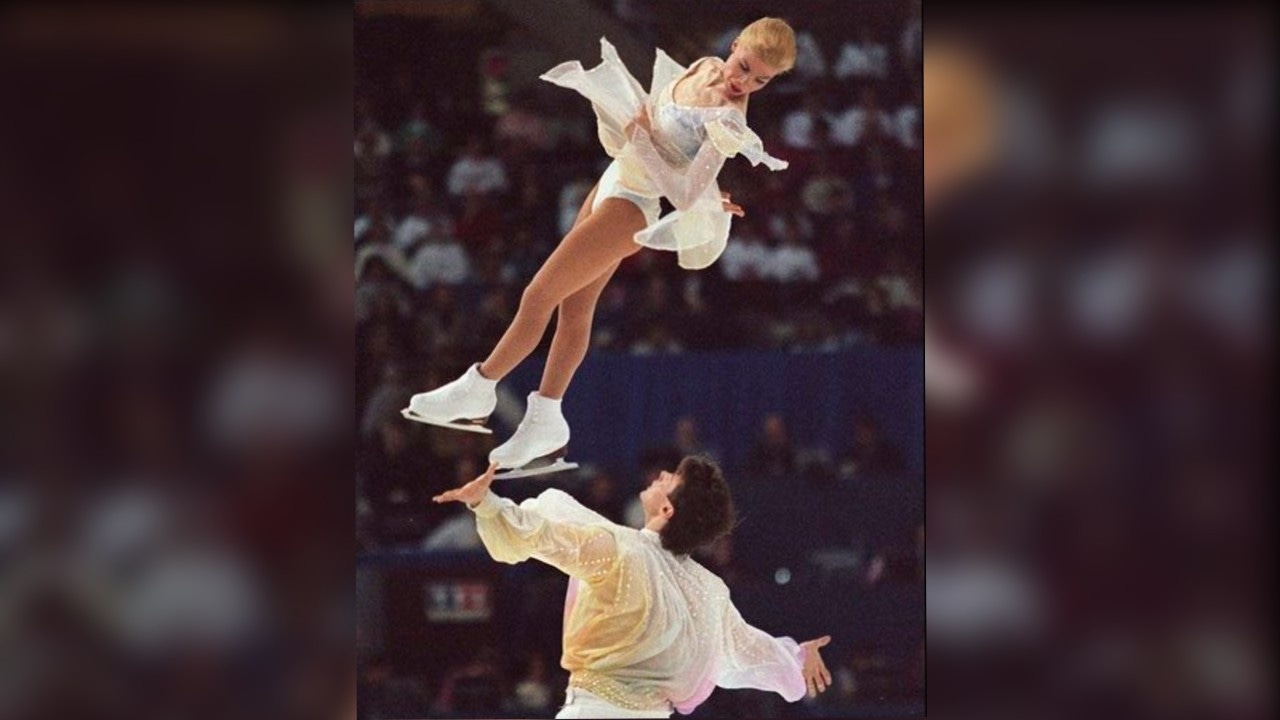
(572,338)
(592,247)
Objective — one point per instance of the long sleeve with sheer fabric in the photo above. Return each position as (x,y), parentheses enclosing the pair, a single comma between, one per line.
(755,659)
(683,189)
(514,533)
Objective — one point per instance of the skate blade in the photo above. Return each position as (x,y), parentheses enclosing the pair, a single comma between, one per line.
(559,465)
(408,414)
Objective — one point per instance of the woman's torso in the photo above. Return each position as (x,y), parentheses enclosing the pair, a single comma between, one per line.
(685,105)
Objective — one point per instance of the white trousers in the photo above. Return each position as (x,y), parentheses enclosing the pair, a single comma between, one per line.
(579,703)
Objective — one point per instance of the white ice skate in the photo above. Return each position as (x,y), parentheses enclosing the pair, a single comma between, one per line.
(539,445)
(464,404)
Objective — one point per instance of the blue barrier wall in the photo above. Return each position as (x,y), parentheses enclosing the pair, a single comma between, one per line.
(619,405)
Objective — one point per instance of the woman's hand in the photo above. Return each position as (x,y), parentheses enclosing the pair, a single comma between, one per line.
(641,120)
(730,207)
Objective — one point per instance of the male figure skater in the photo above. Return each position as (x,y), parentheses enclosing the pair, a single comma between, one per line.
(647,629)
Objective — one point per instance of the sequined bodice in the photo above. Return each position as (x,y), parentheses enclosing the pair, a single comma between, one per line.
(682,127)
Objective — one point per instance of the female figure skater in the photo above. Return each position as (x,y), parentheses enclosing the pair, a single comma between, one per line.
(670,143)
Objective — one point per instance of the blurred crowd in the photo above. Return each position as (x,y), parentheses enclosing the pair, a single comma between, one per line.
(1099,230)
(175,365)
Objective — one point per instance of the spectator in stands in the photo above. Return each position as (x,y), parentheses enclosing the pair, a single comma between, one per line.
(383,403)
(495,314)
(720,559)
(864,122)
(845,253)
(371,693)
(687,439)
(807,127)
(426,217)
(877,320)
(863,59)
(522,132)
(905,123)
(657,338)
(792,219)
(533,693)
(528,209)
(380,289)
(418,129)
(479,223)
(890,223)
(444,322)
(826,193)
(572,196)
(373,146)
(476,172)
(395,472)
(900,291)
(441,259)
(602,494)
(640,16)
(375,214)
(911,45)
(875,177)
(816,333)
(658,308)
(747,256)
(610,325)
(474,687)
(811,65)
(794,261)
(870,454)
(773,455)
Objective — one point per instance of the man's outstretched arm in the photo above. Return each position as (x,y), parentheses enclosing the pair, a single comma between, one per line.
(514,533)
(754,659)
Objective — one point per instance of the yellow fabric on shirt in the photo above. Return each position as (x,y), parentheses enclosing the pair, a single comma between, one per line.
(645,629)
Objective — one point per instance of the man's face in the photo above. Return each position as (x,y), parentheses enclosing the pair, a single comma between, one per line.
(658,494)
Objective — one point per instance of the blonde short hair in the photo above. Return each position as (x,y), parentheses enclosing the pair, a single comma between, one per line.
(773,41)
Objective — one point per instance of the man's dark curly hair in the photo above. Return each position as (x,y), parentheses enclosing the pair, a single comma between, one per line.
(703,508)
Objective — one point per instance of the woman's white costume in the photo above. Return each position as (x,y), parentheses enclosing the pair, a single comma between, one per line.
(680,161)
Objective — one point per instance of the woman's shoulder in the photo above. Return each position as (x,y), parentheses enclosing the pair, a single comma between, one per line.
(703,65)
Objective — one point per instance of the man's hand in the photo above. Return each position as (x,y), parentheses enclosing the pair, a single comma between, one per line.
(471,493)
(816,675)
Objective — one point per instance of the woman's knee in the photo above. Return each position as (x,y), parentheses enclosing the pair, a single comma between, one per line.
(538,298)
(576,312)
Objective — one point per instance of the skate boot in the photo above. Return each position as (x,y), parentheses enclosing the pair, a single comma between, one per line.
(539,445)
(464,404)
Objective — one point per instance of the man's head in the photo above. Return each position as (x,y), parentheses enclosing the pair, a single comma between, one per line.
(765,48)
(689,508)
(775,430)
